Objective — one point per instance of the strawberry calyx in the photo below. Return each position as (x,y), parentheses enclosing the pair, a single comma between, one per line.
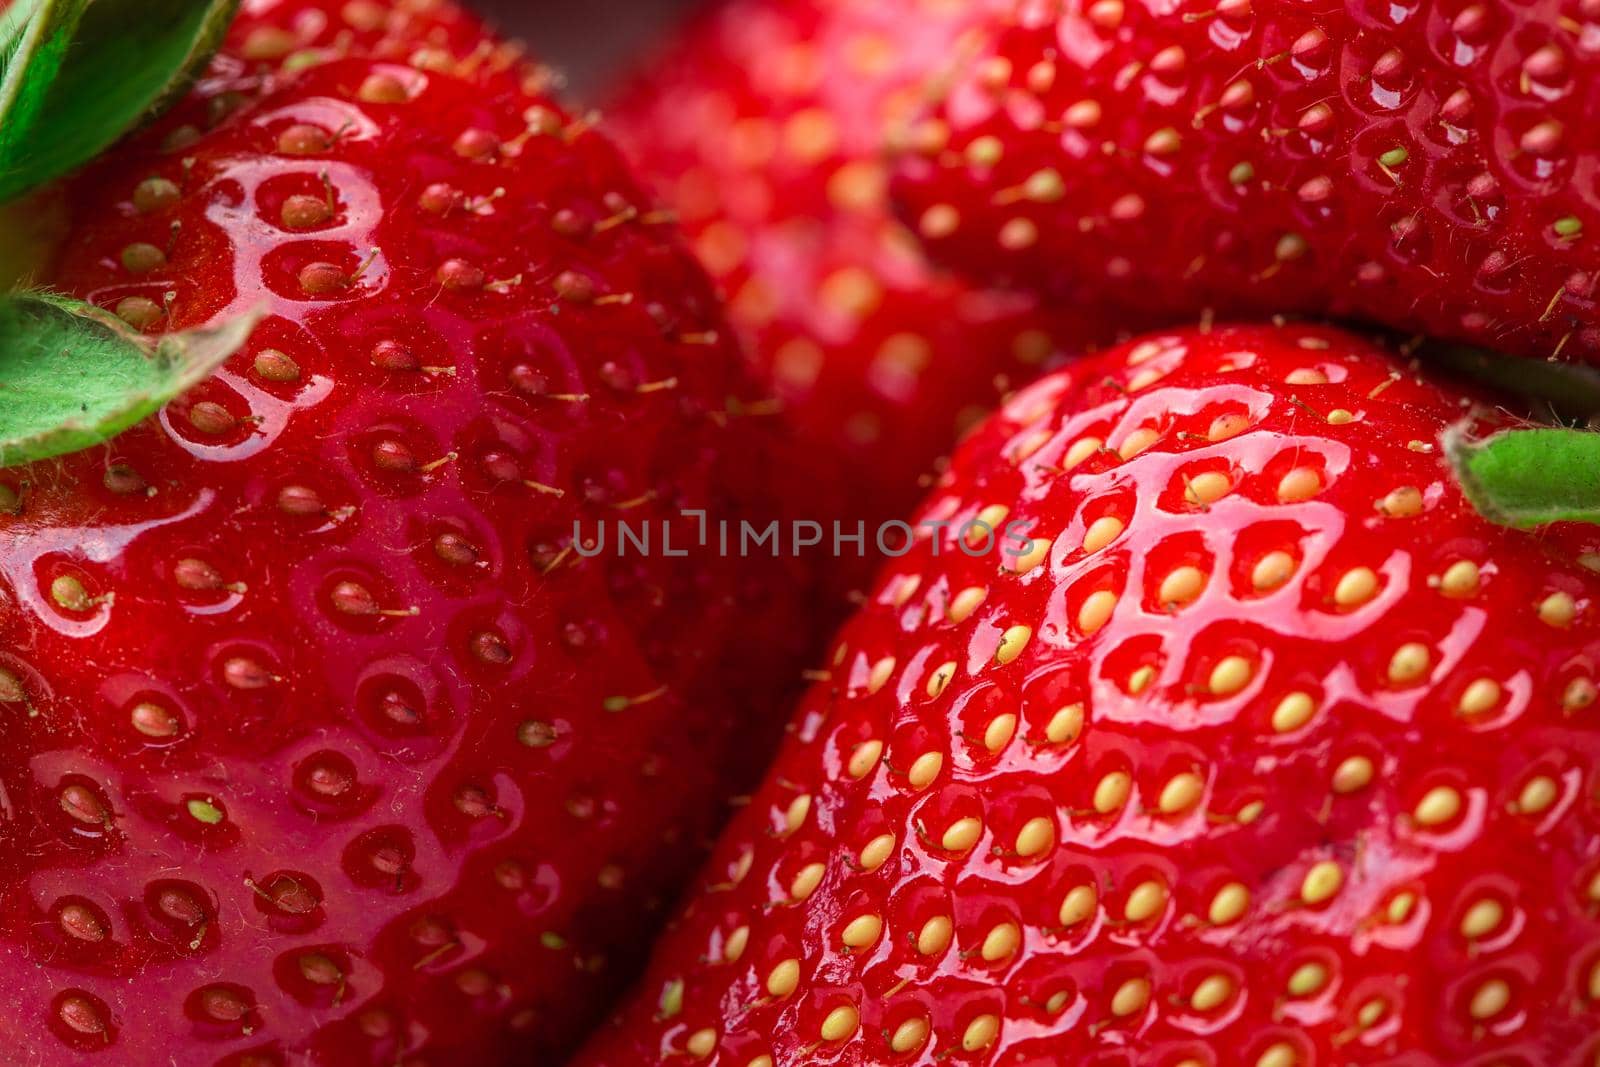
(75,76)
(73,375)
(1528,477)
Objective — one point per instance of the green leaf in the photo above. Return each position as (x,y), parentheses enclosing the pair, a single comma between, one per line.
(73,375)
(76,75)
(1526,478)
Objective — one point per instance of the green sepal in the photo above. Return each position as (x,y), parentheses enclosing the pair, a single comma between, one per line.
(1528,477)
(75,75)
(73,375)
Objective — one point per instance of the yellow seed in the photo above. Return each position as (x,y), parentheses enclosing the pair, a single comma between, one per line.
(795,816)
(980,1033)
(1137,442)
(1038,549)
(1181,586)
(1368,1014)
(862,931)
(864,758)
(1112,792)
(1140,679)
(1579,693)
(1212,992)
(1229,904)
(1356,586)
(964,603)
(940,678)
(1231,674)
(1402,503)
(1250,812)
(1460,579)
(806,881)
(1299,485)
(1480,696)
(909,1035)
(1057,1001)
(1226,426)
(1012,642)
(1322,881)
(1096,610)
(1352,774)
(1401,907)
(1131,997)
(1001,941)
(840,1023)
(962,834)
(1101,532)
(1180,793)
(1036,835)
(878,677)
(701,1043)
(1409,663)
(1147,900)
(735,945)
(876,851)
(999,732)
(1207,488)
(1145,379)
(1293,712)
(1306,376)
(1558,609)
(1278,1055)
(901,589)
(762,1060)
(1340,417)
(1079,904)
(1308,978)
(1438,805)
(1490,999)
(1065,725)
(934,937)
(1482,918)
(1271,571)
(784,978)
(1080,450)
(1030,444)
(1537,795)
(992,517)
(924,769)
(1594,982)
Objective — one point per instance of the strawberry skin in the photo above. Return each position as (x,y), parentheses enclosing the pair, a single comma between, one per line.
(1271,753)
(322,744)
(763,126)
(1419,165)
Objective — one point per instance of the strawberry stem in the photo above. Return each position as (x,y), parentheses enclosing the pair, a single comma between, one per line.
(1530,477)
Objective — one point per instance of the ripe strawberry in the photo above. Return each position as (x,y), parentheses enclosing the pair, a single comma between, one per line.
(763,125)
(322,745)
(1419,165)
(1268,752)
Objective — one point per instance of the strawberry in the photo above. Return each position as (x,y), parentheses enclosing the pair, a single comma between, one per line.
(763,125)
(322,744)
(1248,742)
(1418,165)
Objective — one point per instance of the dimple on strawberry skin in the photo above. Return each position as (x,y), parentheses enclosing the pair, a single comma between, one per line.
(1272,752)
(321,745)
(1424,166)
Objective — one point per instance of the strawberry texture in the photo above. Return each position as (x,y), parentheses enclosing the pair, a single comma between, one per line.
(1267,751)
(323,745)
(1420,165)
(763,125)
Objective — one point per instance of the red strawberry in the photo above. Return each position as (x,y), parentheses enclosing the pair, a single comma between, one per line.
(1270,751)
(764,125)
(1425,166)
(322,744)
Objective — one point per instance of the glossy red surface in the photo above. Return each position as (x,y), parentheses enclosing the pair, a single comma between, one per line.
(763,124)
(1272,754)
(1419,164)
(321,745)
